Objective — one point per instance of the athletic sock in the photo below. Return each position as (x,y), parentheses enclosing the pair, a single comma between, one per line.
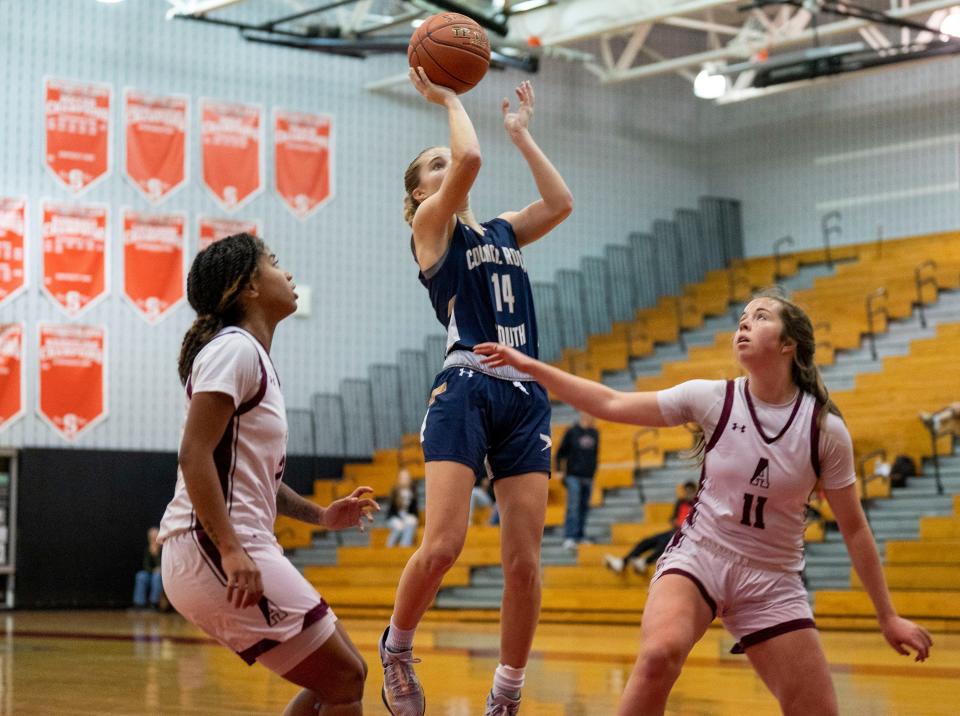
(399,639)
(507,681)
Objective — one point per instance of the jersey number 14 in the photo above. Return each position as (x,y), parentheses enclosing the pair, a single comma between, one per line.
(503,291)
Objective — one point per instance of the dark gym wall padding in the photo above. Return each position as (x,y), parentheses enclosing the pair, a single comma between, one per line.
(82,518)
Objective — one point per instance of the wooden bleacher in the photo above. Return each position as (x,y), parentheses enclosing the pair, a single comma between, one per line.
(881,412)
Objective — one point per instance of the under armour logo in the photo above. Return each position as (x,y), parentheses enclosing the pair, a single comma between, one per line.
(548,440)
(761,475)
(741,428)
(467,372)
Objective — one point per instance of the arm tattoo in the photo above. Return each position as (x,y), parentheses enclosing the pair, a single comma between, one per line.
(291,504)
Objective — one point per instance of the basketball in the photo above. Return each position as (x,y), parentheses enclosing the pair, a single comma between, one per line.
(452,49)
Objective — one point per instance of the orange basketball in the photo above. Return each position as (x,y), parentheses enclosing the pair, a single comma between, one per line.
(452,49)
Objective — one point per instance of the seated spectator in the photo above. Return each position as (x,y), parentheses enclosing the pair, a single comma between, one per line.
(148,579)
(403,516)
(655,545)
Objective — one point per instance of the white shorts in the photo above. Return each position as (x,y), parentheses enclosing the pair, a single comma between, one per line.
(753,603)
(270,631)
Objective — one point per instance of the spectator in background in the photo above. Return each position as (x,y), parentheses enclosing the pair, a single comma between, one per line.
(655,544)
(148,578)
(576,466)
(403,516)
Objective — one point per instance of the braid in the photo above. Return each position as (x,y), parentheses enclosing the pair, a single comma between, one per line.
(217,276)
(204,328)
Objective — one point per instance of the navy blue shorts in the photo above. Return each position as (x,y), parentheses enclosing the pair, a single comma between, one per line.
(472,416)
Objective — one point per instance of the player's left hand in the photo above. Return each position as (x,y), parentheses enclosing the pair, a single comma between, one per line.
(497,354)
(351,511)
(901,633)
(518,121)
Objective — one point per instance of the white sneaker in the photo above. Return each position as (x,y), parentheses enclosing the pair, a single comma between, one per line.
(612,563)
(501,706)
(639,565)
(570,545)
(401,692)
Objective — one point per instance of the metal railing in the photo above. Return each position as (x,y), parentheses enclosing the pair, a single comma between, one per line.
(920,281)
(638,453)
(871,312)
(938,425)
(829,329)
(777,274)
(866,480)
(735,280)
(828,230)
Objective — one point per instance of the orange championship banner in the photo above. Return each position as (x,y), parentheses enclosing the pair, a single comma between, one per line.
(215,229)
(13,230)
(153,262)
(73,379)
(11,373)
(156,133)
(74,255)
(303,159)
(77,131)
(231,136)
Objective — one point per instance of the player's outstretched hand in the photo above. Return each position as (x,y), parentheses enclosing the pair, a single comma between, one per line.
(351,511)
(438,94)
(902,634)
(517,121)
(498,354)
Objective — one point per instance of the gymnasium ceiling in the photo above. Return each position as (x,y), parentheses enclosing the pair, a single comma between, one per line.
(613,40)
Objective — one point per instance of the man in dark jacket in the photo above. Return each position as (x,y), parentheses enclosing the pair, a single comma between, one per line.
(576,466)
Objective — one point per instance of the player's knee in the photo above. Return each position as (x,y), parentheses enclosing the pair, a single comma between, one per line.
(660,662)
(796,697)
(439,558)
(349,680)
(521,570)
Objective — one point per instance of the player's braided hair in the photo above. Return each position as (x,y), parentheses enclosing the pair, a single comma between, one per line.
(216,277)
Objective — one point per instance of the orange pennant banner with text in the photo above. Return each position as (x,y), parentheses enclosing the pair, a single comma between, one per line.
(11,373)
(13,231)
(156,130)
(74,255)
(303,160)
(153,262)
(232,141)
(215,229)
(77,131)
(73,380)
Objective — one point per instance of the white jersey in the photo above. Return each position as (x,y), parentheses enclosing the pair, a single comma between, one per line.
(251,454)
(762,462)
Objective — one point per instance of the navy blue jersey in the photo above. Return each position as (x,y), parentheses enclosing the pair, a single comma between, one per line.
(480,290)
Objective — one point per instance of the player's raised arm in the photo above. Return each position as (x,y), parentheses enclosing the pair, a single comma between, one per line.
(556,200)
(454,169)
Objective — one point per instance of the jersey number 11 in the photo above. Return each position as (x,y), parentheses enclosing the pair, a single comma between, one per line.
(757,514)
